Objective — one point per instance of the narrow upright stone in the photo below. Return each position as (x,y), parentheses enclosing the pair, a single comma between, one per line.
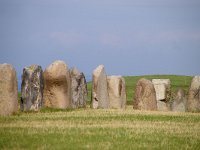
(57,85)
(116,92)
(145,96)
(78,88)
(8,90)
(99,88)
(193,101)
(32,88)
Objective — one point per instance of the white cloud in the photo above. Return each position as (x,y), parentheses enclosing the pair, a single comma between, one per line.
(68,39)
(110,39)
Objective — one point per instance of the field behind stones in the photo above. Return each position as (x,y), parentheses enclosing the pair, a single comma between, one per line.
(103,129)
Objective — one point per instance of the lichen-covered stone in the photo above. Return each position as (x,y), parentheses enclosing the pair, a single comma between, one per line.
(57,86)
(32,88)
(145,96)
(99,88)
(193,101)
(78,88)
(179,102)
(8,90)
(116,92)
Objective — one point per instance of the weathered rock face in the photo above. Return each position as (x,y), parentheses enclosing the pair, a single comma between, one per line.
(193,101)
(179,102)
(78,88)
(145,96)
(116,91)
(99,88)
(32,88)
(57,86)
(8,90)
(162,88)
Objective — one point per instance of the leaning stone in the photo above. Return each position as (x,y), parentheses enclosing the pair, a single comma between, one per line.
(57,86)
(116,91)
(99,88)
(78,88)
(145,96)
(8,90)
(193,101)
(32,88)
(179,102)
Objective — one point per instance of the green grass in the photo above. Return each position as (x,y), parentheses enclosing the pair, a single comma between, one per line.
(100,129)
(103,129)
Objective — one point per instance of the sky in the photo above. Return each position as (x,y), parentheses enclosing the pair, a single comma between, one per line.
(129,37)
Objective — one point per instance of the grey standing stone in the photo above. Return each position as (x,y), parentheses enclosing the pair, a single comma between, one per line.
(162,88)
(179,102)
(145,96)
(116,92)
(8,90)
(193,101)
(57,86)
(99,88)
(78,88)
(32,88)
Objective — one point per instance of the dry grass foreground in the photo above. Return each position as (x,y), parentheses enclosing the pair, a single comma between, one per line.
(100,129)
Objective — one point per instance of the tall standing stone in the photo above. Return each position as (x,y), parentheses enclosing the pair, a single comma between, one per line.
(78,88)
(162,87)
(179,102)
(32,88)
(116,91)
(99,88)
(145,96)
(8,90)
(193,101)
(57,85)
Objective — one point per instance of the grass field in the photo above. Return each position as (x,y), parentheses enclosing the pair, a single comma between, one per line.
(103,129)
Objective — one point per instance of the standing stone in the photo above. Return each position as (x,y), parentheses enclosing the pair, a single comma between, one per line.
(145,96)
(193,101)
(8,90)
(32,88)
(57,86)
(116,92)
(78,88)
(99,88)
(179,102)
(162,87)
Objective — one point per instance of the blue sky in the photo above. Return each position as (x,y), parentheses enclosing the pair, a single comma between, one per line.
(130,37)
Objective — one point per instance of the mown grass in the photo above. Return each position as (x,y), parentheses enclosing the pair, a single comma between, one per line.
(103,129)
(100,129)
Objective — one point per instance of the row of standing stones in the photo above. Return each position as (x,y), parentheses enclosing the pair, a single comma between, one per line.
(61,87)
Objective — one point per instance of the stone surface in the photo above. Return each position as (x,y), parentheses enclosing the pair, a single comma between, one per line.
(179,101)
(8,90)
(145,96)
(116,92)
(57,85)
(99,88)
(193,101)
(32,88)
(162,88)
(78,88)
